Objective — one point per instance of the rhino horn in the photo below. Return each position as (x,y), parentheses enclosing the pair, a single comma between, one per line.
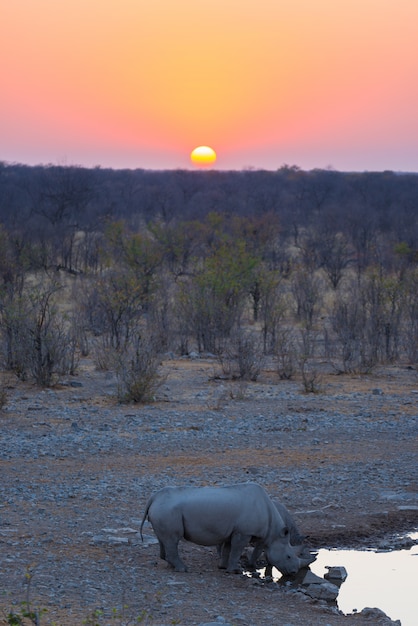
(307,560)
(305,555)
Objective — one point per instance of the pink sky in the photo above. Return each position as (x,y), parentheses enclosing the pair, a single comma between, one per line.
(140,83)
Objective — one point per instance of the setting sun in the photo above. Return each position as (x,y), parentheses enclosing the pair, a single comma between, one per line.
(203,156)
(136,84)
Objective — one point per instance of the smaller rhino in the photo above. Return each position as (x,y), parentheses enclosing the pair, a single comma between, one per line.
(295,538)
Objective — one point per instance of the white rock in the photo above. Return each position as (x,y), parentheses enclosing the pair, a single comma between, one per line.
(115,539)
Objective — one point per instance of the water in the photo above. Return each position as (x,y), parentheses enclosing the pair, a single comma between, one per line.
(384,580)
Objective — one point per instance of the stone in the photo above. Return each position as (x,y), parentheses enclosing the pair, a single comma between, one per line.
(378,614)
(337,572)
(219,620)
(215,623)
(325,591)
(312,579)
(407,507)
(148,540)
(117,540)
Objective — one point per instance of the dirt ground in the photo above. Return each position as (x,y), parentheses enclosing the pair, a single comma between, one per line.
(77,469)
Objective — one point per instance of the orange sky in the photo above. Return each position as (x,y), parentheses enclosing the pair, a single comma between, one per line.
(140,83)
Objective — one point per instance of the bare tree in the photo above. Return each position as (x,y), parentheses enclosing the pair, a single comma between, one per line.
(113,307)
(335,256)
(306,289)
(410,317)
(38,338)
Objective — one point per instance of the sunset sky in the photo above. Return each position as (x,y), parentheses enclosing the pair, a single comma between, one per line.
(141,83)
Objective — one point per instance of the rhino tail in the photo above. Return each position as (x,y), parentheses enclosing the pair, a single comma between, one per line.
(145,517)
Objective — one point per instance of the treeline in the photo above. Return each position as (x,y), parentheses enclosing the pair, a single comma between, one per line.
(46,207)
(298,266)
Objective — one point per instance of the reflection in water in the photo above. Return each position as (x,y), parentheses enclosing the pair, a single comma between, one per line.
(385,580)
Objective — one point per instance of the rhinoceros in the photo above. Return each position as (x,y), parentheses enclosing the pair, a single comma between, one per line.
(229,516)
(295,538)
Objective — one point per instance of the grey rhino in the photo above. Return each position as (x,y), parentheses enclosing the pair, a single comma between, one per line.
(295,538)
(230,516)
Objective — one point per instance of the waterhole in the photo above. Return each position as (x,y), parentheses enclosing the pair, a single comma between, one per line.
(387,580)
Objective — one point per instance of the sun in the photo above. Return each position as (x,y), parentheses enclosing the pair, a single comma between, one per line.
(203,156)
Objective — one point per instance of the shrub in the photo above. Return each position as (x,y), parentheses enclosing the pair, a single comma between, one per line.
(311,377)
(37,338)
(286,353)
(242,356)
(137,370)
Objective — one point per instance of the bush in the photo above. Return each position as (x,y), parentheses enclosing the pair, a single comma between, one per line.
(37,338)
(311,377)
(137,370)
(242,357)
(286,353)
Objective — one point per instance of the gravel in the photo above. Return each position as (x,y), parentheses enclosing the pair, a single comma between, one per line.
(77,469)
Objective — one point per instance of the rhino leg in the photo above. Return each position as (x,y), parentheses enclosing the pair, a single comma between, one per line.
(169,552)
(237,544)
(224,551)
(162,551)
(256,553)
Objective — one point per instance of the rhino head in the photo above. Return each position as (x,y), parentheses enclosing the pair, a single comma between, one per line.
(283,556)
(288,559)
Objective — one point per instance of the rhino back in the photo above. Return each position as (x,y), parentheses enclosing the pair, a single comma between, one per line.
(209,515)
